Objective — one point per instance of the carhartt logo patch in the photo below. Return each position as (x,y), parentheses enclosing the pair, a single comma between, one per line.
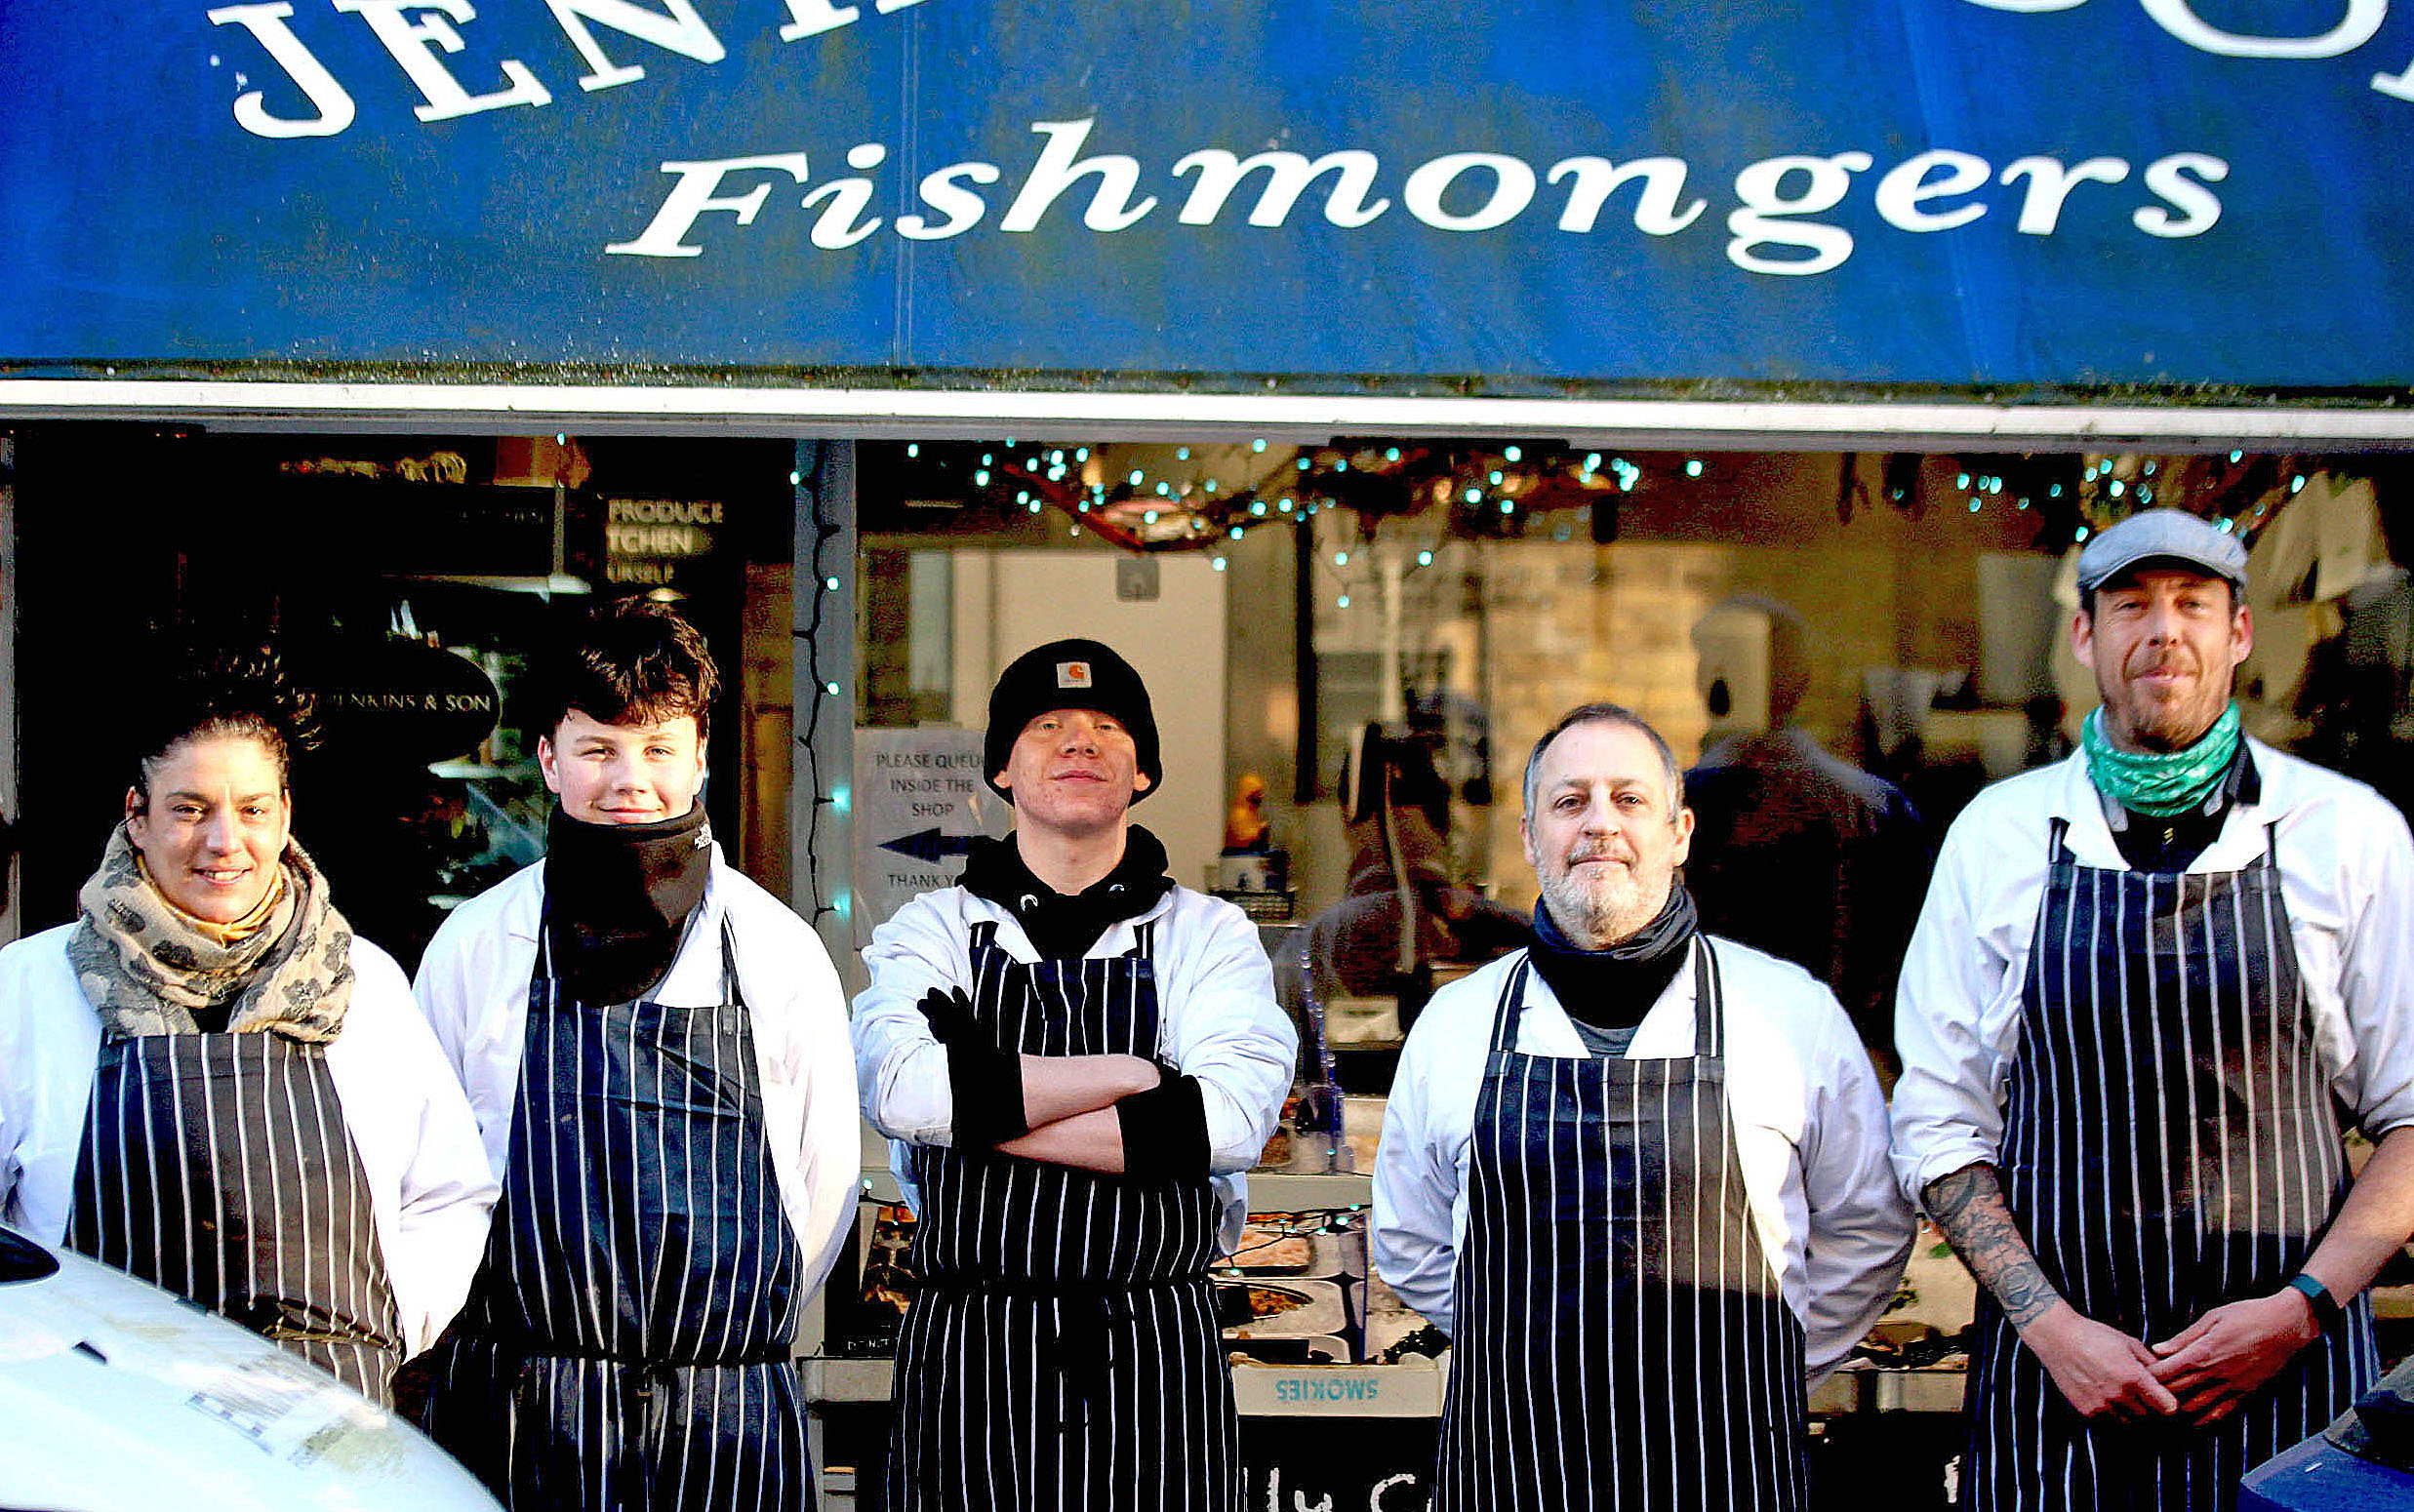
(1072,674)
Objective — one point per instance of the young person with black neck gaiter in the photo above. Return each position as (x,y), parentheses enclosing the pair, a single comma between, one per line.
(656,1049)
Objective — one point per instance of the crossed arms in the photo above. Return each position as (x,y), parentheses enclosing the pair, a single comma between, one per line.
(1071,1100)
(1224,1053)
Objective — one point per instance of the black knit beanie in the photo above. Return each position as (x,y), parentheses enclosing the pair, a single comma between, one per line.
(1072,674)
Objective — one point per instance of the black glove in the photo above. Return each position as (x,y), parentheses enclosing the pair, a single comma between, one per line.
(1165,1130)
(950,1011)
(985,1078)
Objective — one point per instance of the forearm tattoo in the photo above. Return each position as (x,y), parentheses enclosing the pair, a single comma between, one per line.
(1969,1207)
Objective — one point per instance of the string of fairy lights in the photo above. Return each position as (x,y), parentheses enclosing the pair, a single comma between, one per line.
(1206,498)
(2239,491)
(829,797)
(1426,494)
(1419,497)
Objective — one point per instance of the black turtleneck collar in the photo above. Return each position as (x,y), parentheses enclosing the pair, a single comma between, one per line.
(618,897)
(1614,988)
(1064,927)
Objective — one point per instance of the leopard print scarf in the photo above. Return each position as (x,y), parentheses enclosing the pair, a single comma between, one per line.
(147,969)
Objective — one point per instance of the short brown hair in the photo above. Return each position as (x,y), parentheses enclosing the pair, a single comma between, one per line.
(636,663)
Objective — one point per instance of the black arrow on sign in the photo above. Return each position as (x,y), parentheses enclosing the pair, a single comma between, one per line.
(928,845)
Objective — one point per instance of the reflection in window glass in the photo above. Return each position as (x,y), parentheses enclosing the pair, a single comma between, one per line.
(1353,646)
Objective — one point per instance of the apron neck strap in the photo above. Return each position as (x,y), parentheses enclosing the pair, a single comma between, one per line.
(984,936)
(2058,846)
(1710,1004)
(732,990)
(1511,1002)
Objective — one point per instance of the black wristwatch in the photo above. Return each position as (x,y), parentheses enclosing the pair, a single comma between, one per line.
(2326,1309)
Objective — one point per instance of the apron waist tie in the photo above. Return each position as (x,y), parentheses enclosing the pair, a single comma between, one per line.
(1081,1347)
(528,1347)
(1043,1288)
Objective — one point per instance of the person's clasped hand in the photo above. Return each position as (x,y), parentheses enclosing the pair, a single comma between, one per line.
(2231,1352)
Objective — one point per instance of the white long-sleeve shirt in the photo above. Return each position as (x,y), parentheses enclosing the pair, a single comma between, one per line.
(2346,877)
(1216,1020)
(431,1190)
(473,982)
(1809,1122)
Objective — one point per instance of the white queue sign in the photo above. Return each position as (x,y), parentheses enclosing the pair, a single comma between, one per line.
(919,804)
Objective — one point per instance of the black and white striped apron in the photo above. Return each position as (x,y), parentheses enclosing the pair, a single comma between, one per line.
(628,1342)
(219,1166)
(2170,1145)
(1063,1351)
(1622,1341)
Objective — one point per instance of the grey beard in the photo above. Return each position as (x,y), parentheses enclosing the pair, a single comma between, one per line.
(1594,922)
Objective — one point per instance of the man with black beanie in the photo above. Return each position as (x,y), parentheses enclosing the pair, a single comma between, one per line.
(656,1051)
(1637,1173)
(1077,1058)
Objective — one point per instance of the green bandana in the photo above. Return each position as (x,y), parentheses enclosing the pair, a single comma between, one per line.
(2160,785)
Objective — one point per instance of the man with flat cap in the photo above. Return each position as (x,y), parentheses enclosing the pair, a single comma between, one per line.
(2152,988)
(1077,1058)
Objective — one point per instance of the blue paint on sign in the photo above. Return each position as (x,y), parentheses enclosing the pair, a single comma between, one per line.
(1915,192)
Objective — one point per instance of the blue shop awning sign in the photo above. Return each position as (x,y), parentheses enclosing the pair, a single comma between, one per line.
(1895,192)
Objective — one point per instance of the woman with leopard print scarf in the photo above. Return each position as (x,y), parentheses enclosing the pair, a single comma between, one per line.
(209,1082)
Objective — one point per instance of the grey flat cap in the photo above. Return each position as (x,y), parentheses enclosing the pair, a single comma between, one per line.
(2166,535)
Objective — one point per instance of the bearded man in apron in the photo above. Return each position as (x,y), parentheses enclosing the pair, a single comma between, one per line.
(1637,1172)
(656,1049)
(208,1081)
(2152,988)
(1078,1058)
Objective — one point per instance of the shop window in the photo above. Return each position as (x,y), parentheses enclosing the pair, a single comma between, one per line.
(409,582)
(1353,646)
